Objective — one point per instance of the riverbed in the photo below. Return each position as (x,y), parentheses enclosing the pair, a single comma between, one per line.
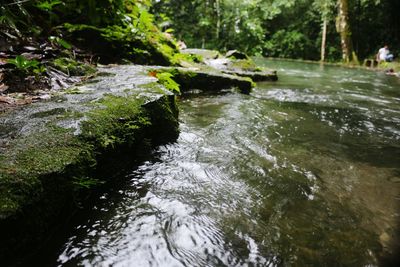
(304,171)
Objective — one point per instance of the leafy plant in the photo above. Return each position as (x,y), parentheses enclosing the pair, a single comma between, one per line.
(48,5)
(165,78)
(72,67)
(60,42)
(26,65)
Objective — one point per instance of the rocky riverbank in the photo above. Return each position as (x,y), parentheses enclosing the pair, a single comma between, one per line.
(56,151)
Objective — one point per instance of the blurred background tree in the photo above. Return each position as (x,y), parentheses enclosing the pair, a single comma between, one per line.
(291,28)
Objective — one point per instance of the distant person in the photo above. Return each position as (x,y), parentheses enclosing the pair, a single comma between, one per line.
(384,54)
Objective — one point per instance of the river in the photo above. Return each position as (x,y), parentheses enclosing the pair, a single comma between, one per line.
(302,172)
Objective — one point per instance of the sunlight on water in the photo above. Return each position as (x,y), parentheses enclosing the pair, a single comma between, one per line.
(303,172)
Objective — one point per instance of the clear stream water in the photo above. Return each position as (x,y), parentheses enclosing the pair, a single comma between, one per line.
(302,172)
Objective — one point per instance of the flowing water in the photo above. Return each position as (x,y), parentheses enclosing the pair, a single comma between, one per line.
(303,172)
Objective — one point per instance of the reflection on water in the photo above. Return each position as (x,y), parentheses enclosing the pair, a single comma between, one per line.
(302,172)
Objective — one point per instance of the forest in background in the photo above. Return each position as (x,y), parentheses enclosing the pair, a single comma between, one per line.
(134,29)
(283,28)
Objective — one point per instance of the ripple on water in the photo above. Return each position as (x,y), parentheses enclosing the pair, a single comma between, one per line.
(304,175)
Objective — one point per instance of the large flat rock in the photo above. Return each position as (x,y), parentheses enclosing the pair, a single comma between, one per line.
(207,79)
(242,66)
(53,151)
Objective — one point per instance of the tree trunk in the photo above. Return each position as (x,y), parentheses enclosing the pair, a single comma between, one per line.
(218,11)
(323,43)
(343,28)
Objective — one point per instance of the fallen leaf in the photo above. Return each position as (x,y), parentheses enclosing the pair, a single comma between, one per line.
(6,99)
(3,61)
(24,101)
(153,73)
(3,87)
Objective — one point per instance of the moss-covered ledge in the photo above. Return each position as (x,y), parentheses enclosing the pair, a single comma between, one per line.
(53,152)
(206,78)
(234,63)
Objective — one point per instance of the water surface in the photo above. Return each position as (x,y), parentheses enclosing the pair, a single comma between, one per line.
(303,172)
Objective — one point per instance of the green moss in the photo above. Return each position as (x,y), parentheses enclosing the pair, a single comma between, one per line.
(205,79)
(140,42)
(42,153)
(58,113)
(154,87)
(72,67)
(47,113)
(185,60)
(73,91)
(244,64)
(116,121)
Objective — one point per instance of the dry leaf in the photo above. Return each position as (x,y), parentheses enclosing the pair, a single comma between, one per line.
(153,73)
(6,99)
(3,87)
(24,101)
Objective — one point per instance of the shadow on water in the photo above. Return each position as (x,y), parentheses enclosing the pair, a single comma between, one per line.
(99,206)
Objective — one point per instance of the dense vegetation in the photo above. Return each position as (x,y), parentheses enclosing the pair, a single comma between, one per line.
(110,30)
(125,29)
(283,28)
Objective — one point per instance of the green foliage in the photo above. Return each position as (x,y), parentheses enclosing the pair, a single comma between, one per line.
(126,29)
(26,65)
(12,18)
(289,44)
(255,26)
(166,79)
(133,37)
(179,59)
(224,25)
(48,5)
(61,42)
(20,62)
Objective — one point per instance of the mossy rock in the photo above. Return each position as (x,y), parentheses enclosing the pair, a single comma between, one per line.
(204,54)
(234,63)
(257,76)
(207,79)
(235,54)
(58,151)
(72,67)
(116,44)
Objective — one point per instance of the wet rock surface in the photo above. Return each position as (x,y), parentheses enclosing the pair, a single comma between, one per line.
(54,150)
(207,79)
(66,142)
(234,63)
